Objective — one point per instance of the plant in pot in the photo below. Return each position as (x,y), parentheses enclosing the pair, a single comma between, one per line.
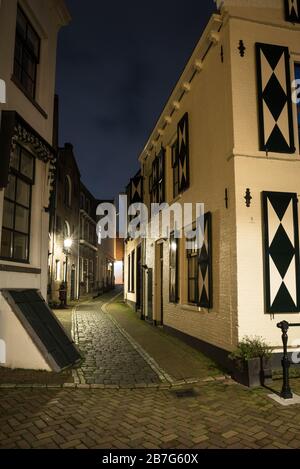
(252,362)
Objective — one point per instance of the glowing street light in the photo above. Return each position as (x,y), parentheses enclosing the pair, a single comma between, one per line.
(68,243)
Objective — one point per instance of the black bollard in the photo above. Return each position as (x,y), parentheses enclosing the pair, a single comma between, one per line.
(286,392)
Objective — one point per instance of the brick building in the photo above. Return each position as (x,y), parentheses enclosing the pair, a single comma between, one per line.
(228,137)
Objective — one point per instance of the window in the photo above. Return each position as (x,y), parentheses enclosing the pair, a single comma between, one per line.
(175,167)
(81,268)
(82,200)
(17,207)
(174,270)
(68,192)
(27,54)
(297,77)
(133,271)
(65,272)
(193,274)
(57,271)
(67,232)
(129,273)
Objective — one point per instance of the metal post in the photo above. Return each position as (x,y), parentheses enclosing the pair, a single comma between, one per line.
(286,392)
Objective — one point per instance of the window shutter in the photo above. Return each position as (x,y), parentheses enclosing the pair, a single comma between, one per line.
(280,220)
(161,175)
(183,152)
(137,189)
(274,99)
(205,266)
(292,11)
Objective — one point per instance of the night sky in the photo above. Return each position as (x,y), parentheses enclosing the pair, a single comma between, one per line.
(117,65)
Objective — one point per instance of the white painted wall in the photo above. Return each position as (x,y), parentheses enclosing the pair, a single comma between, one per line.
(21,352)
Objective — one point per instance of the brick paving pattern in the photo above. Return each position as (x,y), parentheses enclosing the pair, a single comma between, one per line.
(108,356)
(220,415)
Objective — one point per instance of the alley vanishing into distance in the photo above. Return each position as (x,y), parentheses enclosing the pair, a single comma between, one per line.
(138,387)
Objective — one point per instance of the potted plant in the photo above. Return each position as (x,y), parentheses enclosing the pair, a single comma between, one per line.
(252,362)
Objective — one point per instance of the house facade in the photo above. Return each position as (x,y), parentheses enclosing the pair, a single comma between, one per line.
(228,137)
(28,37)
(105,262)
(64,228)
(88,251)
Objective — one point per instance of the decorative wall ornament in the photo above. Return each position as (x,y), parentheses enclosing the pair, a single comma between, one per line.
(205,266)
(248,198)
(183,152)
(281,236)
(198,65)
(242,48)
(15,129)
(186,87)
(292,11)
(276,131)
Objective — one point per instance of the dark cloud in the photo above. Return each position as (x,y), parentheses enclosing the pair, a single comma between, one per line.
(117,64)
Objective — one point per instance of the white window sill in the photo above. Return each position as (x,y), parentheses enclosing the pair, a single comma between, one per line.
(193,308)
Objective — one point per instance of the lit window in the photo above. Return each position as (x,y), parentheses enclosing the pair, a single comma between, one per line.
(58,271)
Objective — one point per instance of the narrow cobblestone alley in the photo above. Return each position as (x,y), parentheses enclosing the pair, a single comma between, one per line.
(109,358)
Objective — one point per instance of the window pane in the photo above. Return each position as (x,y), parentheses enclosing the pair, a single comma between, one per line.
(8,215)
(192,291)
(23,193)
(22,219)
(27,164)
(10,191)
(18,51)
(20,247)
(28,65)
(33,41)
(21,24)
(6,244)
(15,159)
(28,84)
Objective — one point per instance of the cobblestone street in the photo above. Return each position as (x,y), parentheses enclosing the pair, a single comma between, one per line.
(108,356)
(140,388)
(218,416)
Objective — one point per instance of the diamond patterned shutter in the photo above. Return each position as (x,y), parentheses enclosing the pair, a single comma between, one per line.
(292,11)
(205,266)
(276,131)
(280,218)
(137,189)
(183,152)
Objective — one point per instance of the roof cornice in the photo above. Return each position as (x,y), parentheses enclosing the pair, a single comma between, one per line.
(62,12)
(195,65)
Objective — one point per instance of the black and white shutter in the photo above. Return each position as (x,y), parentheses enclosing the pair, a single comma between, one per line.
(183,152)
(274,99)
(281,235)
(292,11)
(205,293)
(137,189)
